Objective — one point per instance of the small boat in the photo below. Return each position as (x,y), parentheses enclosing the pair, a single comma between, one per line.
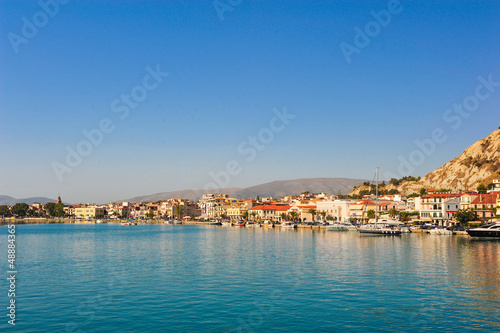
(379,229)
(288,225)
(227,224)
(125,223)
(215,223)
(177,221)
(491,230)
(440,231)
(239,224)
(340,227)
(268,224)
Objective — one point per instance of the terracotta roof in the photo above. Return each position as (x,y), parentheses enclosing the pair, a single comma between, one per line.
(365,202)
(485,199)
(442,195)
(271,207)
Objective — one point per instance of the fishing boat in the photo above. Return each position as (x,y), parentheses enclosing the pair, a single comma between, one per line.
(240,223)
(268,224)
(288,225)
(227,224)
(379,228)
(491,230)
(440,231)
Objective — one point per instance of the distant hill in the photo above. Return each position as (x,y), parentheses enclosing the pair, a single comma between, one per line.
(6,200)
(281,188)
(193,195)
(479,163)
(275,189)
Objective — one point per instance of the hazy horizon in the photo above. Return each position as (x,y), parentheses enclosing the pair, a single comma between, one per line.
(101,101)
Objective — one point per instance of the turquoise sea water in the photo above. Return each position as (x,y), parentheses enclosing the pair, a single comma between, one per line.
(189,278)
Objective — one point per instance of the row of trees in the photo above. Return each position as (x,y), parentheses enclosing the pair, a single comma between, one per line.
(21,209)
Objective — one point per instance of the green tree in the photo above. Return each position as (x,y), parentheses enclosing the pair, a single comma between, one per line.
(491,186)
(404,216)
(245,214)
(329,218)
(423,191)
(59,210)
(253,214)
(370,214)
(482,189)
(323,216)
(223,216)
(20,209)
(463,216)
(178,211)
(150,215)
(294,215)
(394,181)
(283,216)
(393,212)
(4,210)
(312,211)
(50,208)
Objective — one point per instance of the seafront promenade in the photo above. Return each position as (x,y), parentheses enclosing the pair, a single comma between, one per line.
(7,221)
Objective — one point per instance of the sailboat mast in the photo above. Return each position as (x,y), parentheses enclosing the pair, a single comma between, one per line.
(376,201)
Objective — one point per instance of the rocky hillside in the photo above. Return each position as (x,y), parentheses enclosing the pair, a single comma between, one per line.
(479,163)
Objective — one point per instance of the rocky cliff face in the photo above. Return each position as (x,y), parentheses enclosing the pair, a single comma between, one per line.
(479,163)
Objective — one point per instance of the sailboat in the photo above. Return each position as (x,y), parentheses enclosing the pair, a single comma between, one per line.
(379,228)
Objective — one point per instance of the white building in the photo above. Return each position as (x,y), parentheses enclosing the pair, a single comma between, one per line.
(339,209)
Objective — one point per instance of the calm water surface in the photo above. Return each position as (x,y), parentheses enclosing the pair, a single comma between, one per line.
(169,278)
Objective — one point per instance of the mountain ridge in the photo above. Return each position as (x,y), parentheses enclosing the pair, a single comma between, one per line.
(275,189)
(8,200)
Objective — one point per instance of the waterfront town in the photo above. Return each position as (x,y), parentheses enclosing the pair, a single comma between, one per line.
(430,206)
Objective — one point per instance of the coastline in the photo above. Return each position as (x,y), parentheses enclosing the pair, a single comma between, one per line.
(17,221)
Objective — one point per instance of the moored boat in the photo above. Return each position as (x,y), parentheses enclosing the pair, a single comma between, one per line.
(340,227)
(240,223)
(384,227)
(491,230)
(288,225)
(268,224)
(440,231)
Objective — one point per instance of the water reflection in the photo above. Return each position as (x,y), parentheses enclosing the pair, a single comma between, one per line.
(288,279)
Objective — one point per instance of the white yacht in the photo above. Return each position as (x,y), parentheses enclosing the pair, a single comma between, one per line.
(342,226)
(491,230)
(378,226)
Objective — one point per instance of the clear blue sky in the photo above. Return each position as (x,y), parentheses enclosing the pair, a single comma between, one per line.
(225,77)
